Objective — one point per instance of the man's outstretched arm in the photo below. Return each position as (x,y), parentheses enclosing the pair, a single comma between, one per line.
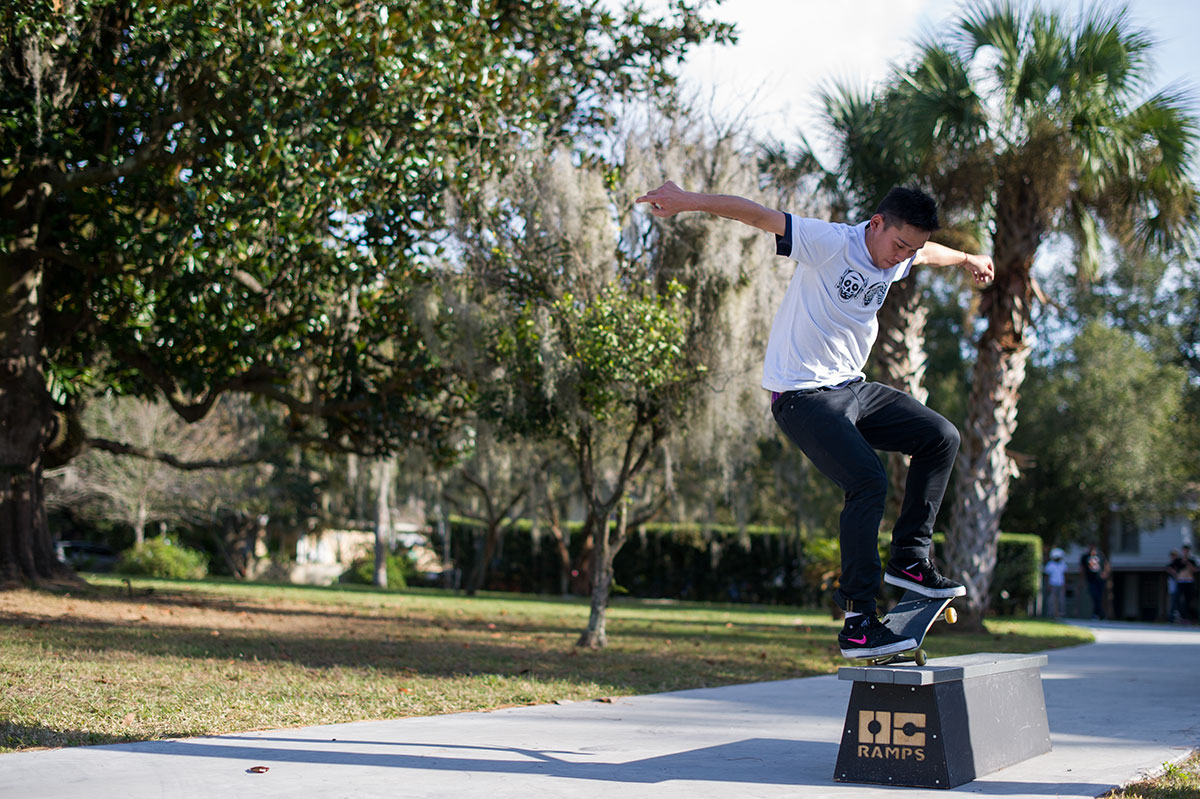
(668,200)
(979,266)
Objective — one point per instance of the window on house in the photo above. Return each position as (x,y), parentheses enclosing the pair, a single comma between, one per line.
(1130,538)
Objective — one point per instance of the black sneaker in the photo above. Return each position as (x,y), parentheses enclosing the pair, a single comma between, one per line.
(866,636)
(922,577)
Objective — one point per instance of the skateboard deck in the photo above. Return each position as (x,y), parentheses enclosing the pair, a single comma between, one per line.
(911,618)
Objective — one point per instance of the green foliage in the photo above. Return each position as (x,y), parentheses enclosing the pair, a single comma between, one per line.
(399,571)
(623,347)
(1104,429)
(158,557)
(250,196)
(228,193)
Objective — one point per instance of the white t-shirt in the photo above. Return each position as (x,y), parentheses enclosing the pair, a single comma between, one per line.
(1056,572)
(825,326)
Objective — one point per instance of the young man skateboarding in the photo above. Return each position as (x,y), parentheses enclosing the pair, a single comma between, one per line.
(822,334)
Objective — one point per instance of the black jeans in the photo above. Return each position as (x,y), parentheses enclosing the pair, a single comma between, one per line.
(839,430)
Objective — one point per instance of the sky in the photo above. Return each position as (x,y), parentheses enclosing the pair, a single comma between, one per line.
(789,49)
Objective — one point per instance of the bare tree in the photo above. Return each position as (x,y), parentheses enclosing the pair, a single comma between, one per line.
(494,488)
(144,464)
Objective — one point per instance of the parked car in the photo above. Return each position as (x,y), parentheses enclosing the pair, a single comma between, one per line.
(86,556)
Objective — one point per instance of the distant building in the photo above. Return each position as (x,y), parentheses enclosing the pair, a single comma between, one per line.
(1138,561)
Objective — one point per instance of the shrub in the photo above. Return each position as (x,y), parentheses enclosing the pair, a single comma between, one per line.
(1018,574)
(362,571)
(158,557)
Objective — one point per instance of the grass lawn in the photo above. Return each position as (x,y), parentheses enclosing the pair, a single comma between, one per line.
(194,658)
(1180,781)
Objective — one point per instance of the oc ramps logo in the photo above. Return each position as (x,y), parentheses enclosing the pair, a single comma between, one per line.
(883,735)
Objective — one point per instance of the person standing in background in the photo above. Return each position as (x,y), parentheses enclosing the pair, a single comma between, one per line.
(1183,569)
(1056,584)
(1172,589)
(1094,567)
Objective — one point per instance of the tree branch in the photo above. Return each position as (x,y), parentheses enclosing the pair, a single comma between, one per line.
(117,448)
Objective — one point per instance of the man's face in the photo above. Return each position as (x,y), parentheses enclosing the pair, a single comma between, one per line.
(890,245)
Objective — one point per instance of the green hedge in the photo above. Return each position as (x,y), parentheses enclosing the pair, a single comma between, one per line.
(1018,575)
(681,561)
(715,563)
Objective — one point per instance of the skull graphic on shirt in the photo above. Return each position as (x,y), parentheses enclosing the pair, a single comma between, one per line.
(851,284)
(876,293)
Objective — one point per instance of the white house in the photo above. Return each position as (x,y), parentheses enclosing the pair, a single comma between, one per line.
(1138,560)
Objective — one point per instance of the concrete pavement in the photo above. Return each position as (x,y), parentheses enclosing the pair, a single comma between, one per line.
(1118,709)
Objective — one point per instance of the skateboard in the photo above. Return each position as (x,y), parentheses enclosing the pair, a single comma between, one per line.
(912,618)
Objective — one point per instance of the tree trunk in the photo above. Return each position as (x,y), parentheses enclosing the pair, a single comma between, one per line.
(479,574)
(985,469)
(605,550)
(27,421)
(562,546)
(358,505)
(139,523)
(900,358)
(607,543)
(984,473)
(383,519)
(448,571)
(581,571)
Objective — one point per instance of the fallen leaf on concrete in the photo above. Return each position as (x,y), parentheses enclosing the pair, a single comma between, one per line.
(258,769)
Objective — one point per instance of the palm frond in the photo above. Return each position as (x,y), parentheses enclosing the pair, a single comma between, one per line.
(1163,141)
(1001,26)
(1166,124)
(938,96)
(1108,54)
(1089,243)
(871,158)
(1042,67)
(784,168)
(998,25)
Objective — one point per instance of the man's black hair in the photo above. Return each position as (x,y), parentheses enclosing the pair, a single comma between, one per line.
(909,205)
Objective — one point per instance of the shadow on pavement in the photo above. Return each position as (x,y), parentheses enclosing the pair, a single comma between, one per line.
(753,761)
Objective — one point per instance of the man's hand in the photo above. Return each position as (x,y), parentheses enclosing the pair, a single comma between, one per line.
(667,200)
(980,267)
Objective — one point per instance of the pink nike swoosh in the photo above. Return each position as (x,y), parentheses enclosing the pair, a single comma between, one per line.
(920,578)
(862,640)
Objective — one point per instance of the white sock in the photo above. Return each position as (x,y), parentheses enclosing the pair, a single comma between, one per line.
(850,614)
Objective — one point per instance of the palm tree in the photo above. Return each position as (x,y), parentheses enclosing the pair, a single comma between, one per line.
(1037,123)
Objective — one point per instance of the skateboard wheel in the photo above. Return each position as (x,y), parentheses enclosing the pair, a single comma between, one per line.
(919,657)
(951,615)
